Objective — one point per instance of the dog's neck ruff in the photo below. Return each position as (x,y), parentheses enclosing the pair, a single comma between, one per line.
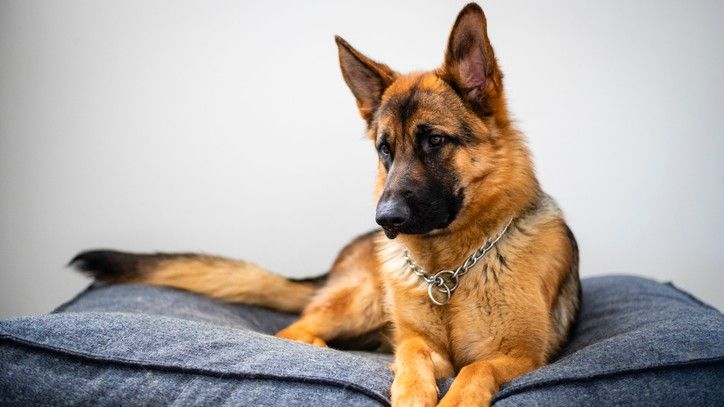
(442,285)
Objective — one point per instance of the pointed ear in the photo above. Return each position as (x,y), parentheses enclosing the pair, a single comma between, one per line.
(366,78)
(470,64)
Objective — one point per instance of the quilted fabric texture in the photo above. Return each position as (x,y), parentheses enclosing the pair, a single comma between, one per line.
(636,342)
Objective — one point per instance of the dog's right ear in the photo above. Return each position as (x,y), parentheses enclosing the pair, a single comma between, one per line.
(366,78)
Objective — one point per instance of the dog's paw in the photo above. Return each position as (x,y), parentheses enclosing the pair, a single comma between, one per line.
(413,395)
(415,400)
(465,399)
(301,335)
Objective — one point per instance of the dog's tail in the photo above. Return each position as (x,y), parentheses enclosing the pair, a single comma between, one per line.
(217,277)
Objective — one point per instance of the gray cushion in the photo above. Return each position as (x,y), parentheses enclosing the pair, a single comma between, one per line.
(636,342)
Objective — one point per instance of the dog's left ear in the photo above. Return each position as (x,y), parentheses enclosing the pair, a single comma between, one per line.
(470,63)
(366,78)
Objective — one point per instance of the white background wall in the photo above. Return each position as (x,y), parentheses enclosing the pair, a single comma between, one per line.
(225,127)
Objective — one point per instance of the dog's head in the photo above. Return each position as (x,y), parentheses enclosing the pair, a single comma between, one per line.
(442,136)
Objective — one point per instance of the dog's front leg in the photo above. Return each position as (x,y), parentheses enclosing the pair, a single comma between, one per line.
(477,383)
(414,383)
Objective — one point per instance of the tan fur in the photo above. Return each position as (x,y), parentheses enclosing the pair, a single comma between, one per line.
(350,297)
(229,280)
(510,313)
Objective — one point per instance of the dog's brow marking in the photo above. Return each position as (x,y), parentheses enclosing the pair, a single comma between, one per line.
(408,108)
(403,101)
(401,107)
(467,134)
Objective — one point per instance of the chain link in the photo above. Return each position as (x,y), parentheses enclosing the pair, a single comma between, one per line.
(442,285)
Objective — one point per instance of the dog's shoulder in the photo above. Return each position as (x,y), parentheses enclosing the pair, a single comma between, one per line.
(546,252)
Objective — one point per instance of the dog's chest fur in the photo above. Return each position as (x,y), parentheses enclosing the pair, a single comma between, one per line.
(497,301)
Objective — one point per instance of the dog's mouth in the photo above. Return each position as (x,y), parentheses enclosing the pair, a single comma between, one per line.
(391,233)
(414,229)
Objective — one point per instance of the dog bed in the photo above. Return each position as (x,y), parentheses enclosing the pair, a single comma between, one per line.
(636,342)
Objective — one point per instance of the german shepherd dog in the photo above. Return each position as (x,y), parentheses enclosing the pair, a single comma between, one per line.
(474,273)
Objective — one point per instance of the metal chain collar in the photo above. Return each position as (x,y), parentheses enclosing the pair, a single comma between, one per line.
(445,282)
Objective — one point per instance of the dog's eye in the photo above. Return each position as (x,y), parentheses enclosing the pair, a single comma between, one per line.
(385,149)
(435,140)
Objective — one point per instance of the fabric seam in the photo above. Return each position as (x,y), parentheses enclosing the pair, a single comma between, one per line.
(691,297)
(511,391)
(195,370)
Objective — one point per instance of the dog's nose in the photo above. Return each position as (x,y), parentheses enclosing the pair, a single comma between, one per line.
(391,214)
